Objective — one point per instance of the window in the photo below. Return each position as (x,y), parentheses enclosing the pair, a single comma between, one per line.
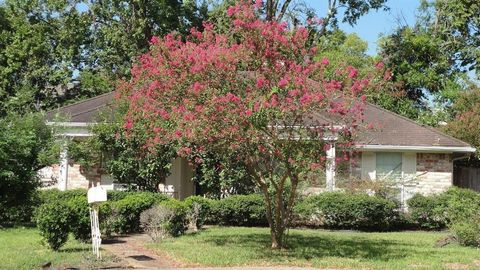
(389,165)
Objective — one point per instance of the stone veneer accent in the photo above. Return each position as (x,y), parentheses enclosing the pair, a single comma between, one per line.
(434,173)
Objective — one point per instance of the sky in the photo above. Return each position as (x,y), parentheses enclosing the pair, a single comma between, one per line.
(373,24)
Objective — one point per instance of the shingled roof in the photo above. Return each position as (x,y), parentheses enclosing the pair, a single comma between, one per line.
(84,111)
(390,130)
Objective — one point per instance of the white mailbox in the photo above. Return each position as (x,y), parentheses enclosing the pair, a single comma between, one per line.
(96,194)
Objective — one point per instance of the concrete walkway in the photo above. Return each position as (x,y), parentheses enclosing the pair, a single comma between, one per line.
(131,251)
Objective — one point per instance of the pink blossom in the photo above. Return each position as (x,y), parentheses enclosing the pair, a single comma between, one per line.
(325,61)
(282,83)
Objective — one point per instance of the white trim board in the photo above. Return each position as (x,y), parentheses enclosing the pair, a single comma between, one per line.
(414,148)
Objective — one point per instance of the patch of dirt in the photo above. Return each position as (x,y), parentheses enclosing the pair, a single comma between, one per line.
(456,266)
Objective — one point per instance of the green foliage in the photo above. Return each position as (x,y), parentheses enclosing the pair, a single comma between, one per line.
(53,222)
(458,204)
(80,220)
(177,224)
(347,211)
(240,210)
(458,208)
(123,216)
(205,209)
(218,173)
(468,232)
(54,195)
(466,122)
(457,24)
(26,145)
(45,44)
(432,60)
(424,212)
(123,155)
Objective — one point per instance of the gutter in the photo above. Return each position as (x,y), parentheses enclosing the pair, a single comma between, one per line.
(414,148)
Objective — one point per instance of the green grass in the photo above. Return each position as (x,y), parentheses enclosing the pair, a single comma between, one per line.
(21,248)
(228,246)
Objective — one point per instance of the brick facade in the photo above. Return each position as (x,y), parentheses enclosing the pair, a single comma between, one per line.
(78,177)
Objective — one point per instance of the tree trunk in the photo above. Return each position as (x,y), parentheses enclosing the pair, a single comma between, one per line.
(277,219)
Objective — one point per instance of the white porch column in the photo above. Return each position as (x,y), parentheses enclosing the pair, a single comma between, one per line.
(330,166)
(63,173)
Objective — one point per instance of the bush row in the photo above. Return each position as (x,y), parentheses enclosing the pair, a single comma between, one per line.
(339,210)
(458,209)
(68,211)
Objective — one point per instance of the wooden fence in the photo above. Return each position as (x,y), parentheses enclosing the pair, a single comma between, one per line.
(467,177)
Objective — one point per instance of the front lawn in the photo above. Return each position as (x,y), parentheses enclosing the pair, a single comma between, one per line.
(21,248)
(238,246)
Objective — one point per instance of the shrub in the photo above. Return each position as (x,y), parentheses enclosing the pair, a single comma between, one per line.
(347,211)
(123,216)
(240,210)
(165,219)
(178,223)
(458,205)
(53,221)
(80,222)
(467,232)
(55,195)
(198,210)
(154,221)
(424,212)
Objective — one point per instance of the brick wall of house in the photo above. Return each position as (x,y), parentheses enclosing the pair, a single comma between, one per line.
(434,173)
(78,177)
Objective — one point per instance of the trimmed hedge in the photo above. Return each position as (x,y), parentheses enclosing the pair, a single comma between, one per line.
(123,216)
(205,213)
(53,222)
(239,210)
(347,211)
(424,212)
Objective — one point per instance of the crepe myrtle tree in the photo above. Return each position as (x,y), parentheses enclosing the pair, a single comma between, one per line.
(254,93)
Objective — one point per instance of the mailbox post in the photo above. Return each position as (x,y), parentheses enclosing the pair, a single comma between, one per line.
(95,196)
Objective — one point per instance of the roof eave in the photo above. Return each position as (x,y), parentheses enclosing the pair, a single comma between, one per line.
(417,148)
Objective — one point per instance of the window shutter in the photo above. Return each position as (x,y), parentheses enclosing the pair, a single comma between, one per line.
(409,166)
(368,165)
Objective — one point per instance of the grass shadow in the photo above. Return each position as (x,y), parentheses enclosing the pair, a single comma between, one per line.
(307,247)
(75,249)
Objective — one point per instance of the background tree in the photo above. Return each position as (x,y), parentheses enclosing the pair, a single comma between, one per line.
(45,44)
(40,43)
(26,145)
(466,123)
(249,93)
(342,50)
(433,60)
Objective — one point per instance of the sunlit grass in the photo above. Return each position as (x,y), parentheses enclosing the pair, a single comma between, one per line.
(21,248)
(236,246)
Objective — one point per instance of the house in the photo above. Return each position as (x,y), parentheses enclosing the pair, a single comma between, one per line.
(419,158)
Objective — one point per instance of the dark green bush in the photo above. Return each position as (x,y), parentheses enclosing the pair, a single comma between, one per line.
(123,216)
(240,210)
(205,209)
(80,222)
(55,195)
(53,222)
(424,212)
(347,211)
